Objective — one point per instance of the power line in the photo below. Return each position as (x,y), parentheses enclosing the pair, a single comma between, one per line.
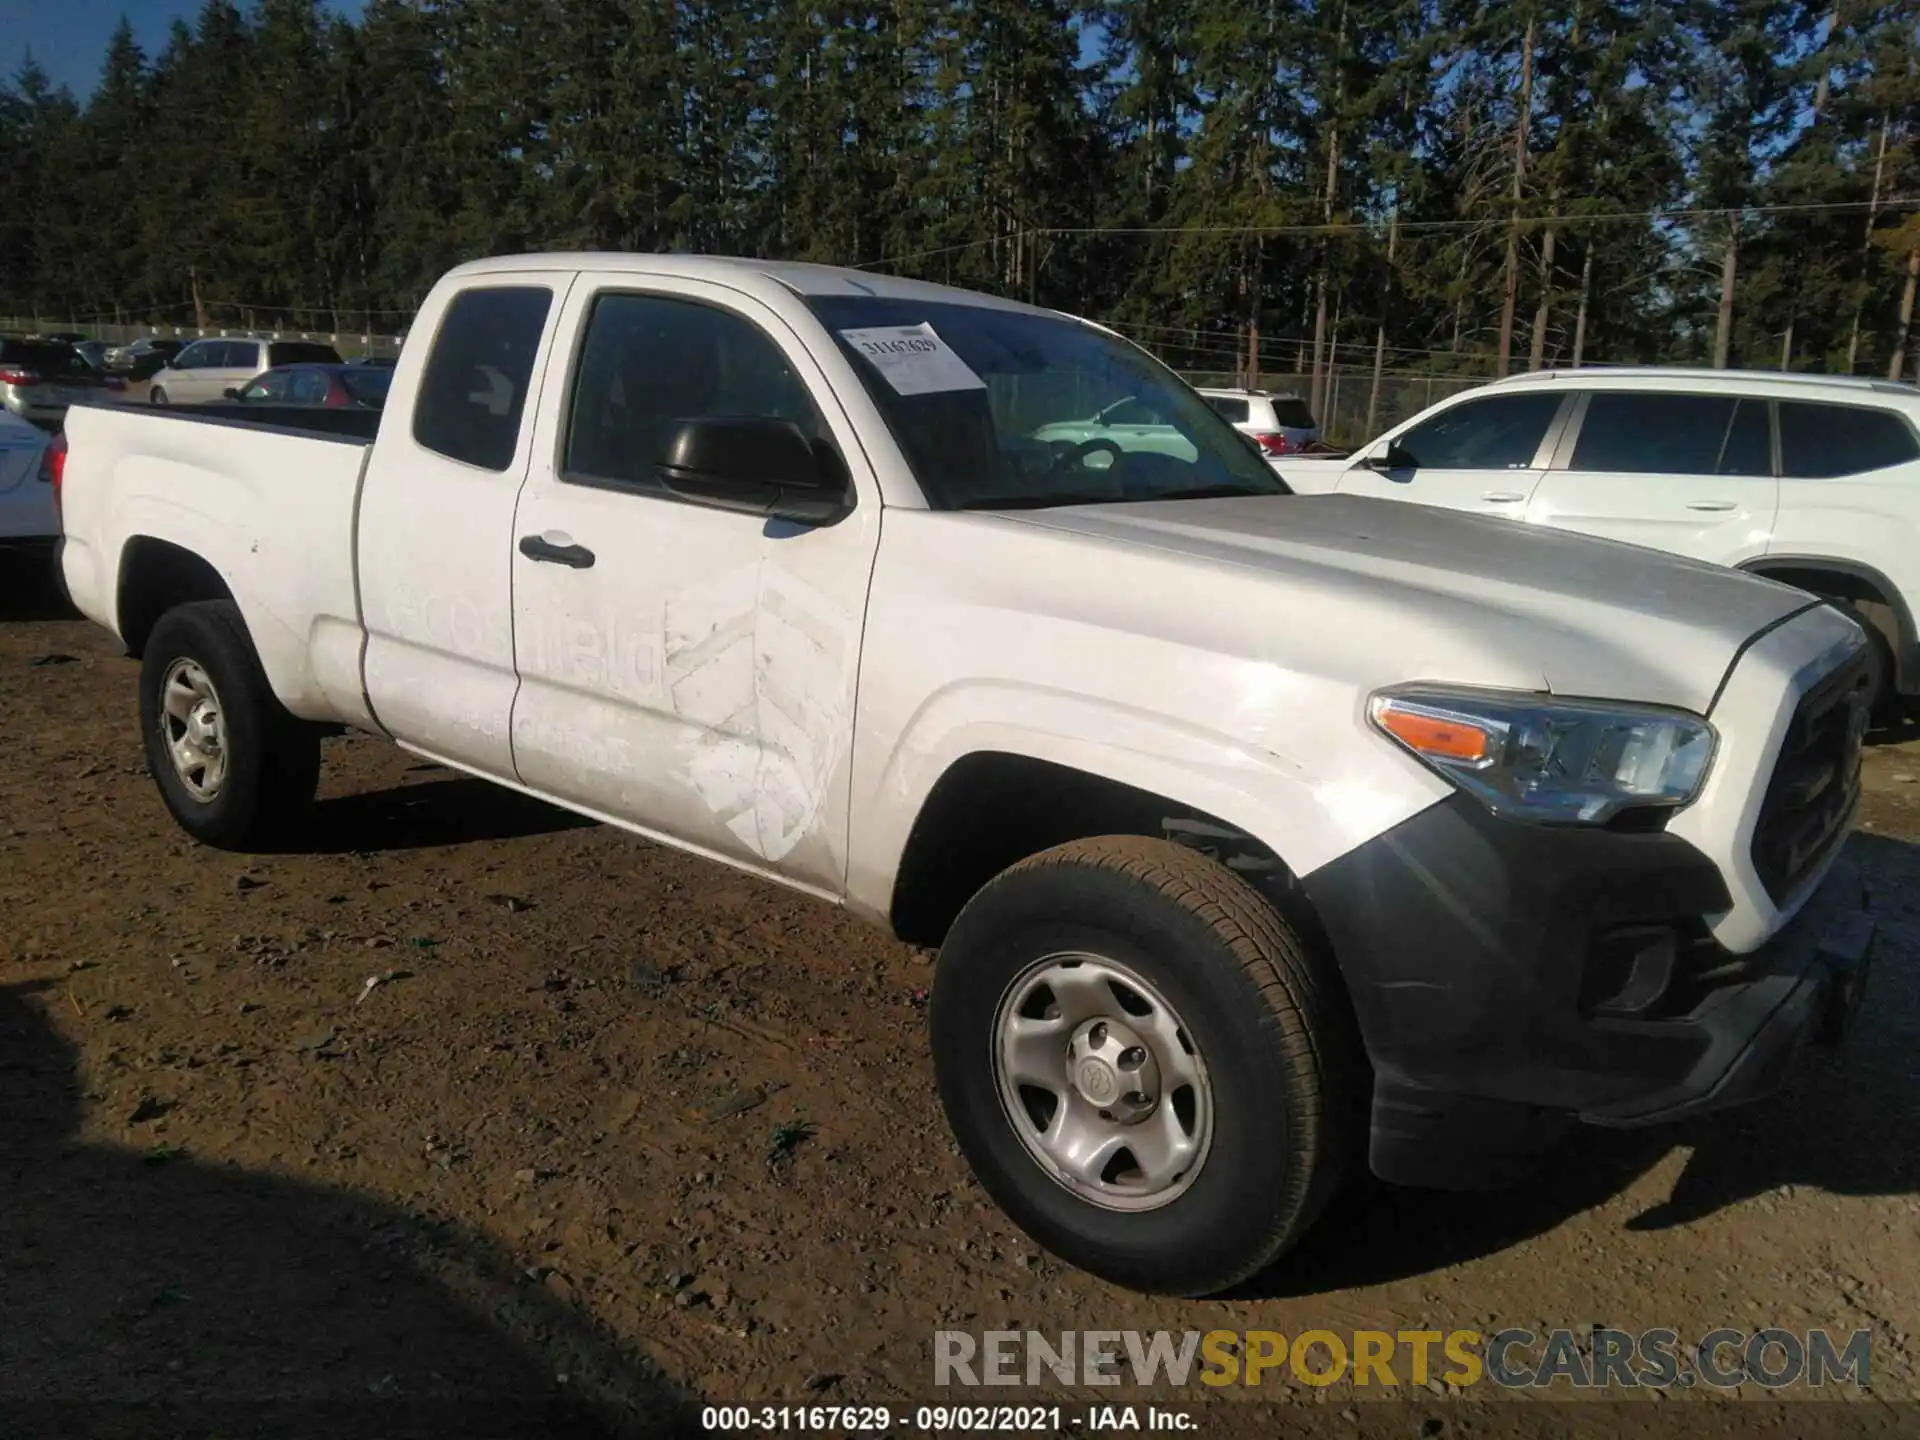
(1357,227)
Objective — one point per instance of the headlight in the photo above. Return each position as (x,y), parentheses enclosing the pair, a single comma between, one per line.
(1534,758)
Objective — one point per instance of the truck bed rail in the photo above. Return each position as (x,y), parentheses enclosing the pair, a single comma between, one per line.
(350,427)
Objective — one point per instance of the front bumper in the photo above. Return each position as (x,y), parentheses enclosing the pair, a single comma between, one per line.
(1512,979)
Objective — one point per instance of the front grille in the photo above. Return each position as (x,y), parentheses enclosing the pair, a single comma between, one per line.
(1816,781)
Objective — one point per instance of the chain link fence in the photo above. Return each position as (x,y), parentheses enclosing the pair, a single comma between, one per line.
(350,344)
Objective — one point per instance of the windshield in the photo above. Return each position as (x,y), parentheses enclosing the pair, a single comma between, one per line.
(1005,408)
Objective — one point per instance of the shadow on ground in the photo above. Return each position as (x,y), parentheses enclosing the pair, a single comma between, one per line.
(157,1294)
(456,810)
(1843,1123)
(28,590)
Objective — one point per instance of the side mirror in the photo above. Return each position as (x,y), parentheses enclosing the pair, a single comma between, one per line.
(1385,455)
(757,466)
(231,393)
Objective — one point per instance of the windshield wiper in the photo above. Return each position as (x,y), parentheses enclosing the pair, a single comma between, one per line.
(1042,500)
(1048,499)
(1219,492)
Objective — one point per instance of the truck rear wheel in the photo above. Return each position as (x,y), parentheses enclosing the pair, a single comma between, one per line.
(1145,1067)
(233,766)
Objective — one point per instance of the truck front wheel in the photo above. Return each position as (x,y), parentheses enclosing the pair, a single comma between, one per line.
(1145,1067)
(232,765)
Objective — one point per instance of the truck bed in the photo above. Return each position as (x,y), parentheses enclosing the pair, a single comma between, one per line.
(268,501)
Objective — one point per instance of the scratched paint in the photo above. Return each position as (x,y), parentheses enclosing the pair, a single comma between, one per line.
(758,663)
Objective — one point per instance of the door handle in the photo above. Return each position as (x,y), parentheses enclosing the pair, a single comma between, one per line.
(576,557)
(1710,504)
(1503,497)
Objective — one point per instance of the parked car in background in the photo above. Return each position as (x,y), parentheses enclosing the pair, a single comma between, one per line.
(143,357)
(1131,424)
(1278,421)
(29,522)
(39,379)
(342,386)
(1258,832)
(1813,480)
(207,369)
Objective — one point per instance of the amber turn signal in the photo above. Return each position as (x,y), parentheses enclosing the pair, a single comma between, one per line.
(1439,737)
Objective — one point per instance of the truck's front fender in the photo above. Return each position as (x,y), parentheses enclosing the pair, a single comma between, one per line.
(1305,816)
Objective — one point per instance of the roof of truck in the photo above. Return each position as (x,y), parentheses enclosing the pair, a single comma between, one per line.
(800,278)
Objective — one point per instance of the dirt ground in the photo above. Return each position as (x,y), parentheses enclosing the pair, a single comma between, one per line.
(476,1117)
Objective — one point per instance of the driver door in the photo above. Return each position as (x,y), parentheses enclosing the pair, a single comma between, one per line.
(1485,454)
(686,669)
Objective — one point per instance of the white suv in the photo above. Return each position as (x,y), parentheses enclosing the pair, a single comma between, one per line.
(1278,421)
(1809,479)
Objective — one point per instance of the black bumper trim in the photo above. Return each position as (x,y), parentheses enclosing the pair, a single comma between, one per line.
(1467,941)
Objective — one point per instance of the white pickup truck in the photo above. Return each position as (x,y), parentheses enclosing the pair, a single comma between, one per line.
(1258,833)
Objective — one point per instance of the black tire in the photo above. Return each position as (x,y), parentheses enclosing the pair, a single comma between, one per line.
(157,396)
(1281,1055)
(1884,701)
(272,759)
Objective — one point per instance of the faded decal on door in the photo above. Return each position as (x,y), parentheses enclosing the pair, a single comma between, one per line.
(453,624)
(758,662)
(609,655)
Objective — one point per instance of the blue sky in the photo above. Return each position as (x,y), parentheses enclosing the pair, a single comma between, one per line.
(69,37)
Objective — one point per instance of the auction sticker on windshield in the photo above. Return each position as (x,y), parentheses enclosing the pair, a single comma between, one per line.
(914,360)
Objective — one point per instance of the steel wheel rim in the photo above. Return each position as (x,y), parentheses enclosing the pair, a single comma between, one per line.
(193,727)
(1101,1081)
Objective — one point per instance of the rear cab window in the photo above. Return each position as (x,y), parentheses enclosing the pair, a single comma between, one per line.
(473,389)
(1291,412)
(1830,442)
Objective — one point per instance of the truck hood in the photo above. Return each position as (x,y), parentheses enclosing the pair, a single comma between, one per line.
(1518,605)
(1311,474)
